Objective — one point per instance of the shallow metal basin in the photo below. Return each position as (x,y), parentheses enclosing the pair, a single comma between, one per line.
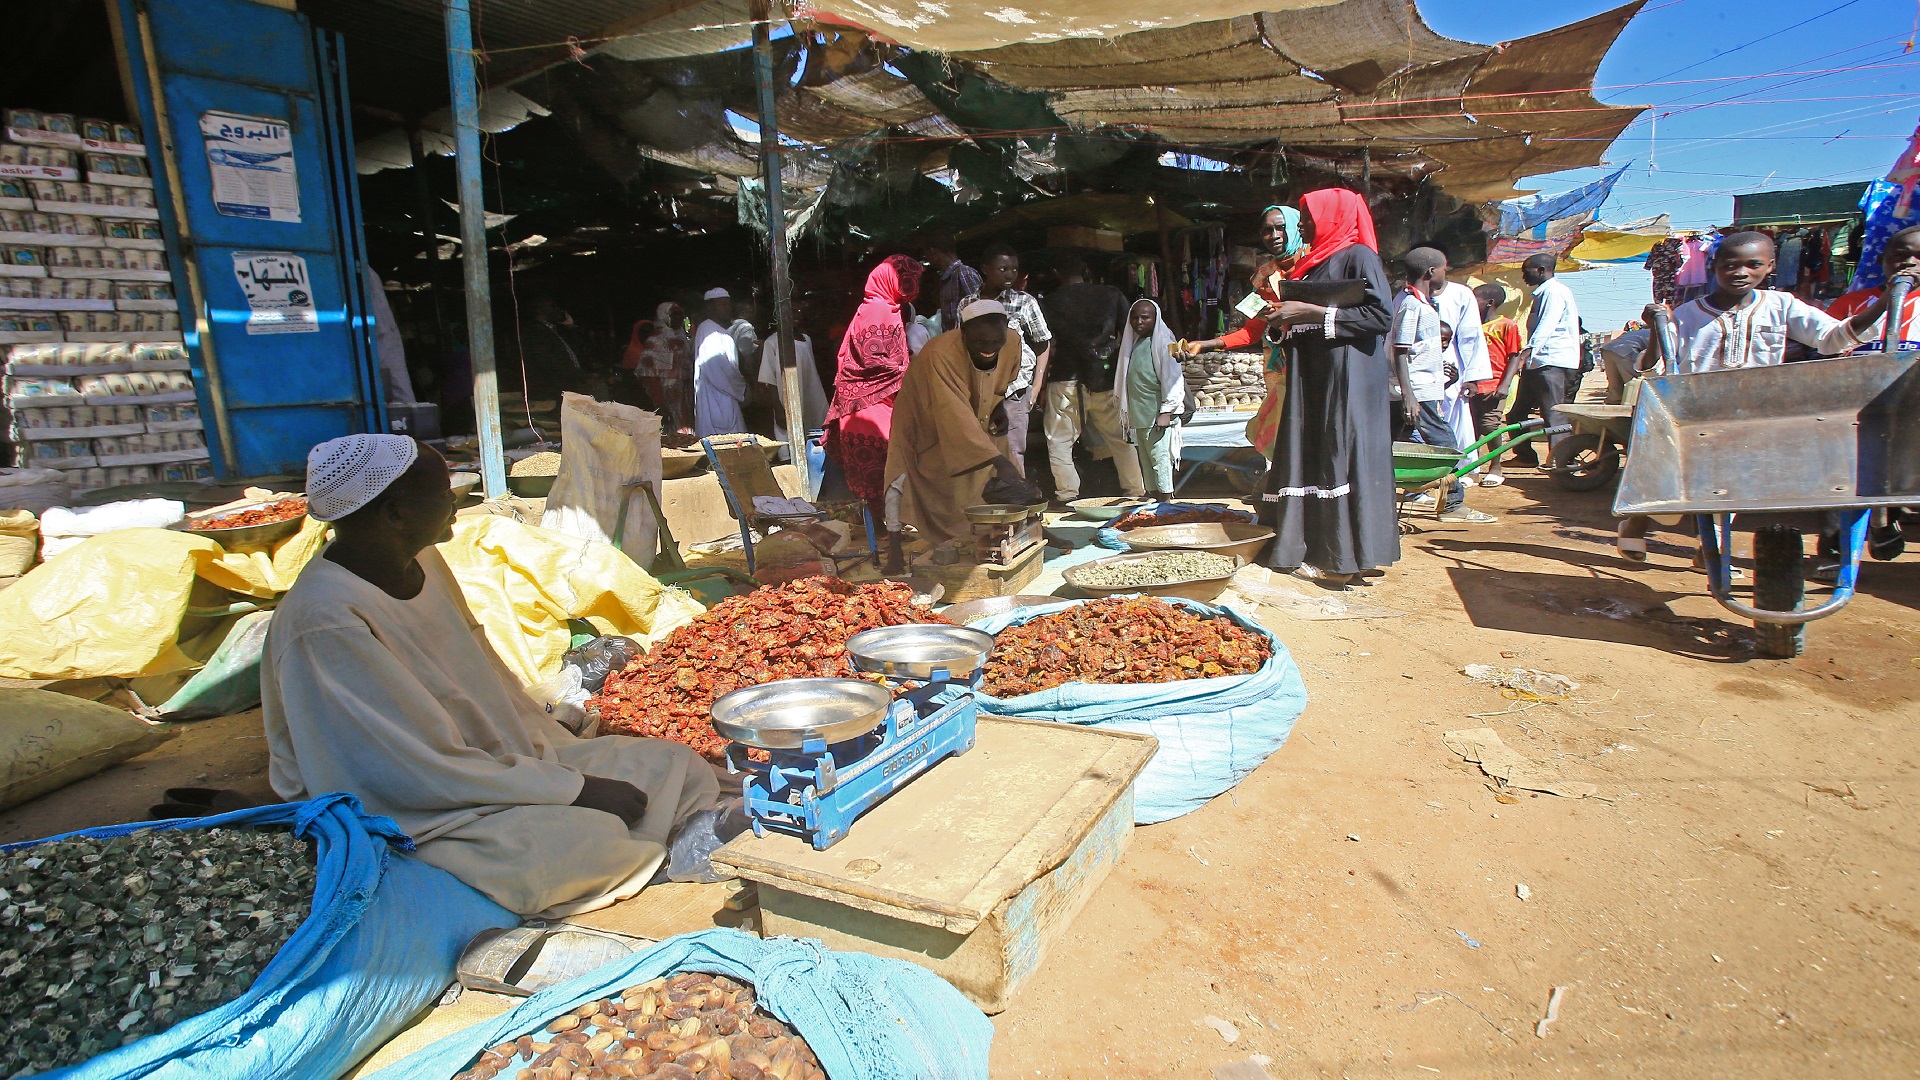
(918,650)
(783,715)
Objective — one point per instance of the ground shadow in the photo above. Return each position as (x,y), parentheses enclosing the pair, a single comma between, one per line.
(1613,609)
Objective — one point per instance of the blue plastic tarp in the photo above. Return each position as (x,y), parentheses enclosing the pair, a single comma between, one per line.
(1212,732)
(380,944)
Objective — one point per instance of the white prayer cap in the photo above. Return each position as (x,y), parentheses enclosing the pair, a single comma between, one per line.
(717,294)
(347,473)
(982,307)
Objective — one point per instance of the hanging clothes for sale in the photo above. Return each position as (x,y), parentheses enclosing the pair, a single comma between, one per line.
(1663,262)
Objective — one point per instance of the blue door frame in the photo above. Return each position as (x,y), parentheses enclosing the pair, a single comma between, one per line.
(266,397)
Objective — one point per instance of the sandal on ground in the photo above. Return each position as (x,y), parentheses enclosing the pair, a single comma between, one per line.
(1632,548)
(1493,479)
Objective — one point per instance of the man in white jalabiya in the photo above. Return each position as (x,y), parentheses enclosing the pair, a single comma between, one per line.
(379,681)
(719,388)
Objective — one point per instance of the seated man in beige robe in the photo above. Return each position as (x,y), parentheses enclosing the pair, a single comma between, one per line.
(377,680)
(949,423)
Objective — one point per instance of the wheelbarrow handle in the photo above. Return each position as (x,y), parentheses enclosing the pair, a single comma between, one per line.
(1890,335)
(1716,532)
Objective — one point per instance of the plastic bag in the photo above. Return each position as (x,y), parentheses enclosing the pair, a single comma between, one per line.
(61,528)
(50,740)
(380,944)
(1212,732)
(524,583)
(866,1018)
(690,849)
(566,701)
(609,449)
(230,683)
(600,658)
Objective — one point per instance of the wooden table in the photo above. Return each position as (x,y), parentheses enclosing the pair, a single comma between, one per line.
(972,869)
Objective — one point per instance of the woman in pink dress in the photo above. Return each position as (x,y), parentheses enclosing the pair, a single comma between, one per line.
(873,361)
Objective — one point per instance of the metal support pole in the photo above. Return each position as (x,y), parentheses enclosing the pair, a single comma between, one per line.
(777,240)
(473,246)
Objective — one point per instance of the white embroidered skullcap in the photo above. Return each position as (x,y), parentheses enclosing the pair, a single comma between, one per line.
(347,473)
(717,294)
(982,307)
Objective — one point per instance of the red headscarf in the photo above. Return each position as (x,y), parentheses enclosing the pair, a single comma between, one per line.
(1340,220)
(873,353)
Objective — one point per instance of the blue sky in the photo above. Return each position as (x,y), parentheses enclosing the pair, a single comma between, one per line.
(1748,95)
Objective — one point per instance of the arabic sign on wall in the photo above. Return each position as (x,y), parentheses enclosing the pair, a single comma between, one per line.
(279,297)
(251,159)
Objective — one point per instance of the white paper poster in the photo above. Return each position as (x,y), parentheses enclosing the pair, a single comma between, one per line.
(279,299)
(251,159)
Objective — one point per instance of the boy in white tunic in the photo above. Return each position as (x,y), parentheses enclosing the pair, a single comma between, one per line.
(377,680)
(1740,325)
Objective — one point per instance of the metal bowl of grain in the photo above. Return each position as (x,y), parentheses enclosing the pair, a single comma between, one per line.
(675,464)
(1219,537)
(1193,575)
(532,477)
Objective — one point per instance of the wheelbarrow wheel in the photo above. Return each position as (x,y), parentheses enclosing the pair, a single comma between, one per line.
(1779,584)
(1585,462)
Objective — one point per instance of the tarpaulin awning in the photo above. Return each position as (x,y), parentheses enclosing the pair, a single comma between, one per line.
(1518,216)
(1360,73)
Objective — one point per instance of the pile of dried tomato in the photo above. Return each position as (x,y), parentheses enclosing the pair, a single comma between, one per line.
(798,630)
(1116,640)
(282,510)
(1142,518)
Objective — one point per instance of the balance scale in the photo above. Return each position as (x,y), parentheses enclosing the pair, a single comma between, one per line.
(838,747)
(1002,532)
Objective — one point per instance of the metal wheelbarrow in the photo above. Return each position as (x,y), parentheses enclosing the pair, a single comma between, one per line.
(1777,451)
(1590,458)
(1419,467)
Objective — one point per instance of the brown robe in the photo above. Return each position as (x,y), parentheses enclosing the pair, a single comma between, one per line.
(940,441)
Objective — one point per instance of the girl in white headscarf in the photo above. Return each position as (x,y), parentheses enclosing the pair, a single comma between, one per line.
(1150,390)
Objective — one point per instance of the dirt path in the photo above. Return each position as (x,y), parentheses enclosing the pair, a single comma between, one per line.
(1738,901)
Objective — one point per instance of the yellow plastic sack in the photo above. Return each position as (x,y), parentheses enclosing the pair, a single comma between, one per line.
(523,583)
(112,605)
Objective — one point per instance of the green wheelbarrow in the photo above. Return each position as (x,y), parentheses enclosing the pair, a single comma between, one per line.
(1418,467)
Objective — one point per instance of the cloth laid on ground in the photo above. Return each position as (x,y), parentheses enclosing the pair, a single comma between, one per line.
(866,1017)
(403,703)
(940,443)
(379,945)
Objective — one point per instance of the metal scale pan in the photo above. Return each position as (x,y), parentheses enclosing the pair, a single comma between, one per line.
(784,715)
(920,650)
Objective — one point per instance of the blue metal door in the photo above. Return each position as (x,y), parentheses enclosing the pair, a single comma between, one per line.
(253,172)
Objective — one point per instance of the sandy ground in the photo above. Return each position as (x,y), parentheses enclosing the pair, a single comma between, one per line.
(1739,900)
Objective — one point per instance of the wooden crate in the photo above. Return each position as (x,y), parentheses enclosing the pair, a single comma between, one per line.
(972,869)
